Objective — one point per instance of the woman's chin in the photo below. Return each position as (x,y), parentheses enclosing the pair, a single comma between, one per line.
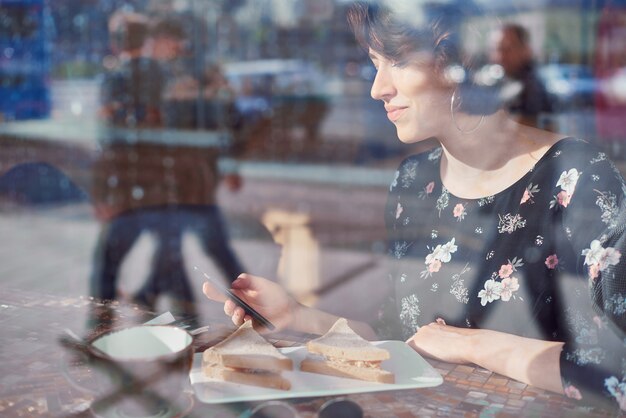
(407,138)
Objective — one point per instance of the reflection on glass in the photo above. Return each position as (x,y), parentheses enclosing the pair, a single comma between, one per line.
(129,127)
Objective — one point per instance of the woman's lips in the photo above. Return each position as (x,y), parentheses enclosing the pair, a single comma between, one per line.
(394,113)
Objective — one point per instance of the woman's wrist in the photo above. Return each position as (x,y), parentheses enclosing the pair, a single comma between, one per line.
(473,350)
(309,320)
(295,314)
(313,321)
(473,347)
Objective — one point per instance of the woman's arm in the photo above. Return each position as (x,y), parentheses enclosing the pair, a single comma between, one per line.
(314,321)
(273,302)
(531,361)
(535,362)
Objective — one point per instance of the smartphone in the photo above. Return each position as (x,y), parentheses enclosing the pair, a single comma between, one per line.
(247,308)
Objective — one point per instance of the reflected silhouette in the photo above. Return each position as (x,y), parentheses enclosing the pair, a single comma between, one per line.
(152,178)
(527,98)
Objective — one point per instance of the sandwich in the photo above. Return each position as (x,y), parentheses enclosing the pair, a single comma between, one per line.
(245,357)
(342,352)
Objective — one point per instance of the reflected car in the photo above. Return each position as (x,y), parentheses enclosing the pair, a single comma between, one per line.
(282,94)
(572,85)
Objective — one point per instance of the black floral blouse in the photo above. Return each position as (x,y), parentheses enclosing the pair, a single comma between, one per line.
(541,259)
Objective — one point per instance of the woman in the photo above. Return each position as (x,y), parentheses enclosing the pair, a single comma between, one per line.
(500,234)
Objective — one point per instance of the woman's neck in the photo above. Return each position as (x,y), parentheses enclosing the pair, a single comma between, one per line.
(492,158)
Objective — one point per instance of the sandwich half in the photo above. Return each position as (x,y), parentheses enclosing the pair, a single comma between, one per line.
(342,352)
(245,357)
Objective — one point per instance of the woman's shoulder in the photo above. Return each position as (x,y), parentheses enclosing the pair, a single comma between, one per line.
(572,161)
(573,146)
(575,153)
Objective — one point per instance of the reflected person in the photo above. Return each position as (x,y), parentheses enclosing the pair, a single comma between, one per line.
(163,188)
(530,100)
(509,240)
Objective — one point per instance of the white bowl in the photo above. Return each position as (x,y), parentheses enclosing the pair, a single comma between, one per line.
(145,342)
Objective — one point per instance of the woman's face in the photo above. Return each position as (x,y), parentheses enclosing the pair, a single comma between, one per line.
(414,98)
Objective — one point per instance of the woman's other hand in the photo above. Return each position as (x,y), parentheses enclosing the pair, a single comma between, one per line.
(531,361)
(264,296)
(442,342)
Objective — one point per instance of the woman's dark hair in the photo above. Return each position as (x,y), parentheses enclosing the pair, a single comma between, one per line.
(378,28)
(397,39)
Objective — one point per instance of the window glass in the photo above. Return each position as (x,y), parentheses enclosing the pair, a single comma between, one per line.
(145,142)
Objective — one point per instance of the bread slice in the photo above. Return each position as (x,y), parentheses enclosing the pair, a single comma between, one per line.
(334,368)
(246,349)
(343,343)
(270,380)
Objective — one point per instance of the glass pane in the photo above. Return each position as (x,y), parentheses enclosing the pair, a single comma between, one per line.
(147,144)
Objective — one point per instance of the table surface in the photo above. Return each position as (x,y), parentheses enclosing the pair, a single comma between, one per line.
(33,384)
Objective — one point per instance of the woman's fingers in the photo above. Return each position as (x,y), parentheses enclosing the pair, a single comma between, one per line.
(238,316)
(244,281)
(229,307)
(236,313)
(247,287)
(212,293)
(426,330)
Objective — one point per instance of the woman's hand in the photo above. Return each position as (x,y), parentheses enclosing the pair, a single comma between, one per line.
(443,342)
(534,362)
(264,296)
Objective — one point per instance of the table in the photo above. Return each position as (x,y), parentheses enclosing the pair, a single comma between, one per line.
(32,382)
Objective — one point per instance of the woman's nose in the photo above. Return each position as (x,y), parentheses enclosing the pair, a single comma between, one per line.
(382,87)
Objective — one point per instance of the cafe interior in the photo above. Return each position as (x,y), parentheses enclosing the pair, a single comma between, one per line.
(150,149)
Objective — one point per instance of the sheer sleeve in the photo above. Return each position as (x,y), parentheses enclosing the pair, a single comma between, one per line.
(593,360)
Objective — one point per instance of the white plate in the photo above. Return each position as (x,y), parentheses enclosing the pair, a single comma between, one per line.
(410,369)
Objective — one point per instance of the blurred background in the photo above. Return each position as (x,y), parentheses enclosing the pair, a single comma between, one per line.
(263,111)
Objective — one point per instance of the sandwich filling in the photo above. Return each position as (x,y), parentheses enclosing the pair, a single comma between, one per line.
(355,363)
(342,352)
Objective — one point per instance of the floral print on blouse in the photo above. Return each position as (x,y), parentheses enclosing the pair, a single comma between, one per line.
(545,258)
